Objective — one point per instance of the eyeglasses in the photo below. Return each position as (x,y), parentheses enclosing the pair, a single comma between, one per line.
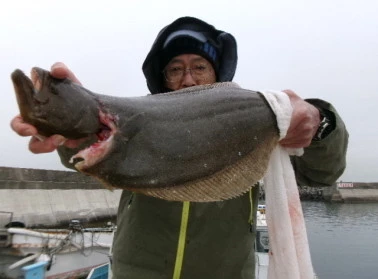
(200,72)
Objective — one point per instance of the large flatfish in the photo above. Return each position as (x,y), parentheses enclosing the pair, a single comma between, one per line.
(203,143)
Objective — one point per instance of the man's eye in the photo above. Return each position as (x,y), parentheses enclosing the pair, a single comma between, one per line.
(175,69)
(200,69)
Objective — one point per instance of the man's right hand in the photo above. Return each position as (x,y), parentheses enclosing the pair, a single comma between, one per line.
(37,143)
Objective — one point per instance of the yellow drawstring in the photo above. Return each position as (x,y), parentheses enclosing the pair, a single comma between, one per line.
(182,238)
(250,219)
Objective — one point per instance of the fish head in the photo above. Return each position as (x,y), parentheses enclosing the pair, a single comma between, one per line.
(56,106)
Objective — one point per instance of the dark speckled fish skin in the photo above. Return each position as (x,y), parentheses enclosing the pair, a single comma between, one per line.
(168,144)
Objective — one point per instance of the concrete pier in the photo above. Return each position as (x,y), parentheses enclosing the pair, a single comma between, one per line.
(352,192)
(49,198)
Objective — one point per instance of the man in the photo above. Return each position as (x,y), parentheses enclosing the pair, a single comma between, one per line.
(161,239)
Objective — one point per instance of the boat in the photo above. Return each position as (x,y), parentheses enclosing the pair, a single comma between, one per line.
(67,253)
(261,244)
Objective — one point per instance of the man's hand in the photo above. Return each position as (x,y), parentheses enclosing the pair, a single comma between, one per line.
(37,143)
(304,123)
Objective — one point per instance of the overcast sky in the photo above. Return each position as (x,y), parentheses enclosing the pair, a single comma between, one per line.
(320,49)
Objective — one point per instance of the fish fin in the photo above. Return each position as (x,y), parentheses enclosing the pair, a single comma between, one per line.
(228,183)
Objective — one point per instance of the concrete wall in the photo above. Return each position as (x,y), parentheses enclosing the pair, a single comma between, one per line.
(352,192)
(52,198)
(359,195)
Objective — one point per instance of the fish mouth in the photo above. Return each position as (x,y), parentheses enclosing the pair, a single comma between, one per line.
(36,78)
(25,92)
(98,150)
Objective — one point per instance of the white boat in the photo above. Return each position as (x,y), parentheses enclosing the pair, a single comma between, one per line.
(68,253)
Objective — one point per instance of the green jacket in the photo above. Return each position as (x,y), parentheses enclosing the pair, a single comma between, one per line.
(158,239)
(218,240)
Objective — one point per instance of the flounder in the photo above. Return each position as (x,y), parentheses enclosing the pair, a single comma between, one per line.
(203,143)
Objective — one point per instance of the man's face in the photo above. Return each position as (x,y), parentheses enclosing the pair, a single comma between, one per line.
(188,70)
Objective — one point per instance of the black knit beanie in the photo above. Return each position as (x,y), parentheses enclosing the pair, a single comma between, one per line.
(189,35)
(189,42)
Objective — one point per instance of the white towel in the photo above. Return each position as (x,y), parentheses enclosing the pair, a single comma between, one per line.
(289,254)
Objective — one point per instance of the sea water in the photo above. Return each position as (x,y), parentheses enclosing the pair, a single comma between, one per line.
(343,239)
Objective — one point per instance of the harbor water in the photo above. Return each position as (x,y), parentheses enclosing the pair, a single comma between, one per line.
(343,239)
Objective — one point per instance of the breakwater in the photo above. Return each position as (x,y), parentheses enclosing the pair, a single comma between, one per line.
(37,197)
(305,193)
(342,192)
(352,192)
(52,198)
